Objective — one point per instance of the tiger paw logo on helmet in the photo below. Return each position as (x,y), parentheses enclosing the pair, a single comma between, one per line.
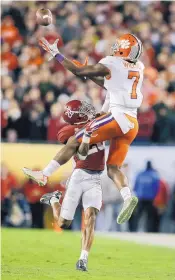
(124,44)
(128,46)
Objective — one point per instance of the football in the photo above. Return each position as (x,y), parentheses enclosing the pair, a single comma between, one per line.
(44,17)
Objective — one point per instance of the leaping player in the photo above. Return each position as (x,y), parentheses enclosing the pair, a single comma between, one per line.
(123,75)
(85,181)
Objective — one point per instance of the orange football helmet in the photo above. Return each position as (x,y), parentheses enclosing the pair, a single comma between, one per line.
(128,46)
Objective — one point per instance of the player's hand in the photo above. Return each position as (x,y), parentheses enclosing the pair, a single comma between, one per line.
(50,48)
(91,127)
(79,64)
(100,114)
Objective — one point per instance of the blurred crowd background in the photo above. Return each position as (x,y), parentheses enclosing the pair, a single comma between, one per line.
(20,206)
(34,92)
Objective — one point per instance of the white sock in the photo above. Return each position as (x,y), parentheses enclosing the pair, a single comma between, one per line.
(125,193)
(51,168)
(84,255)
(53,200)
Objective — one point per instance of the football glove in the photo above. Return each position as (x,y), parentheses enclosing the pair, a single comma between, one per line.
(50,48)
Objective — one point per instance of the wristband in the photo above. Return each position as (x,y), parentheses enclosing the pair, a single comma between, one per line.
(81,157)
(59,57)
(51,168)
(86,139)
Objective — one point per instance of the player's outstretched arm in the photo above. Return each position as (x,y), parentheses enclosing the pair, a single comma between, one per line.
(83,149)
(97,80)
(86,71)
(85,143)
(60,158)
(65,154)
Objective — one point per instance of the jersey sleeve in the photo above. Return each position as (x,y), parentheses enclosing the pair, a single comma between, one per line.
(65,133)
(105,61)
(111,62)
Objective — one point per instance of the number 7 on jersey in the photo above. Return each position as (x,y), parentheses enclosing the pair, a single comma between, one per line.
(136,75)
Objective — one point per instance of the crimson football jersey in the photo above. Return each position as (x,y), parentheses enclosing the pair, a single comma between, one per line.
(96,155)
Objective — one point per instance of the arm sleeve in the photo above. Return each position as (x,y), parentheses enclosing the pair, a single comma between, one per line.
(105,107)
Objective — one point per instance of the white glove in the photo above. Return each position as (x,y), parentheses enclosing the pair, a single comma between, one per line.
(50,48)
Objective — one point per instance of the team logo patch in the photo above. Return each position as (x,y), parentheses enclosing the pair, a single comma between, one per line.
(124,44)
(69,112)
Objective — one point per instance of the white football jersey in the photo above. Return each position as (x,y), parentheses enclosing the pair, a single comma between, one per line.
(123,85)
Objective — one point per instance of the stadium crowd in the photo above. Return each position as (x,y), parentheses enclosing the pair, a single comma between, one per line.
(34,90)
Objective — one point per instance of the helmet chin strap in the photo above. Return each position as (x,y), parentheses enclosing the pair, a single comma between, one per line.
(81,122)
(130,60)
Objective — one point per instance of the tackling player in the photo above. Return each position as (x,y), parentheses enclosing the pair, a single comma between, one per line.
(123,75)
(85,181)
